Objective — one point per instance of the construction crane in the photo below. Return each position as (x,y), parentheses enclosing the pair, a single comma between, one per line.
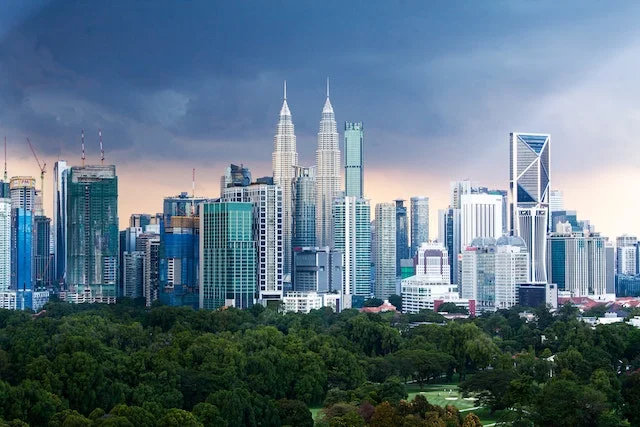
(42,166)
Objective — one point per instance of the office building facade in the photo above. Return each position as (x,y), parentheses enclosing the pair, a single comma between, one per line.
(530,176)
(385,250)
(284,158)
(481,216)
(353,159)
(304,208)
(419,222)
(402,234)
(317,270)
(268,214)
(228,255)
(352,218)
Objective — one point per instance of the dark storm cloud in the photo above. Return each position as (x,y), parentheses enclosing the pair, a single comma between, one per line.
(425,77)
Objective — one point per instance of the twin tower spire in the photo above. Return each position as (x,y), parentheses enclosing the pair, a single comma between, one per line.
(285,157)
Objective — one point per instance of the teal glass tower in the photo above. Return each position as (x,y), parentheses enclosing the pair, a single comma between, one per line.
(228,255)
(353,159)
(92,234)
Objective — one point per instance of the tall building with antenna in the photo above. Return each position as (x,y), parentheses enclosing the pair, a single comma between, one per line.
(92,233)
(327,174)
(284,157)
(59,219)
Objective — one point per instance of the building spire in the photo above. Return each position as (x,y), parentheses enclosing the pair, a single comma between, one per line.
(327,86)
(284,111)
(285,90)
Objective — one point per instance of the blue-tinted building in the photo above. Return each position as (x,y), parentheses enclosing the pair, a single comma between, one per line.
(353,159)
(22,249)
(180,251)
(402,234)
(304,208)
(627,286)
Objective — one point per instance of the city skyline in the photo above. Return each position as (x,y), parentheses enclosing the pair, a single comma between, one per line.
(420,129)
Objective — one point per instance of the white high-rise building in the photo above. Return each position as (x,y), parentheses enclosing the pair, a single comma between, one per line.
(481,216)
(512,270)
(419,222)
(626,253)
(5,244)
(267,214)
(433,262)
(353,237)
(577,262)
(385,250)
(327,174)
(556,201)
(530,176)
(458,189)
(284,157)
(23,192)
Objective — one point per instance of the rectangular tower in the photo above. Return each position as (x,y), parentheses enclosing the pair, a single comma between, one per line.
(304,208)
(352,217)
(353,159)
(268,214)
(419,222)
(227,255)
(530,176)
(59,225)
(385,250)
(481,216)
(92,234)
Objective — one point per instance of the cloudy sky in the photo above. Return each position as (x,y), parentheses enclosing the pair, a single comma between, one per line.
(183,84)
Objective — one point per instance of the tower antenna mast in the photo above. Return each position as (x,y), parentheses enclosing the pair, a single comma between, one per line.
(83,156)
(101,149)
(5,159)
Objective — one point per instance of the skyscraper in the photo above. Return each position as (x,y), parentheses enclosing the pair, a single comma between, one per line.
(512,270)
(21,249)
(179,247)
(449,237)
(41,245)
(626,254)
(530,175)
(577,261)
(481,216)
(23,192)
(353,237)
(304,208)
(235,175)
(385,250)
(402,234)
(556,201)
(328,174)
(285,156)
(268,234)
(419,222)
(353,159)
(5,244)
(227,255)
(59,226)
(92,234)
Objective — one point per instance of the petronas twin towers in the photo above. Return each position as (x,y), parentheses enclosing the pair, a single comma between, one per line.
(285,157)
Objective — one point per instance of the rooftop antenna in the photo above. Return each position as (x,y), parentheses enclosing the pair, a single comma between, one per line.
(5,159)
(101,149)
(327,87)
(285,90)
(83,156)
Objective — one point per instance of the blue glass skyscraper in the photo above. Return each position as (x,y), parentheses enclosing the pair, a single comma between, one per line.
(22,249)
(353,159)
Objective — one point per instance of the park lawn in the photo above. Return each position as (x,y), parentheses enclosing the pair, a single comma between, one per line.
(438,394)
(314,411)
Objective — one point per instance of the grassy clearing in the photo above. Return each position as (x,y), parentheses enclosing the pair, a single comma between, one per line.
(441,395)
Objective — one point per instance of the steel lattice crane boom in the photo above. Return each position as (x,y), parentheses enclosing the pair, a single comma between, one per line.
(42,166)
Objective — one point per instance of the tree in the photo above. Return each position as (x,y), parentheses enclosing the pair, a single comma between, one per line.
(491,388)
(208,414)
(384,416)
(396,301)
(373,302)
(449,307)
(471,420)
(294,413)
(178,418)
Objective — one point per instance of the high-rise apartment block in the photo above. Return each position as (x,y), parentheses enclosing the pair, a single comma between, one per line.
(317,270)
(530,176)
(577,261)
(353,159)
(385,250)
(267,201)
(626,255)
(353,238)
(23,192)
(228,256)
(92,234)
